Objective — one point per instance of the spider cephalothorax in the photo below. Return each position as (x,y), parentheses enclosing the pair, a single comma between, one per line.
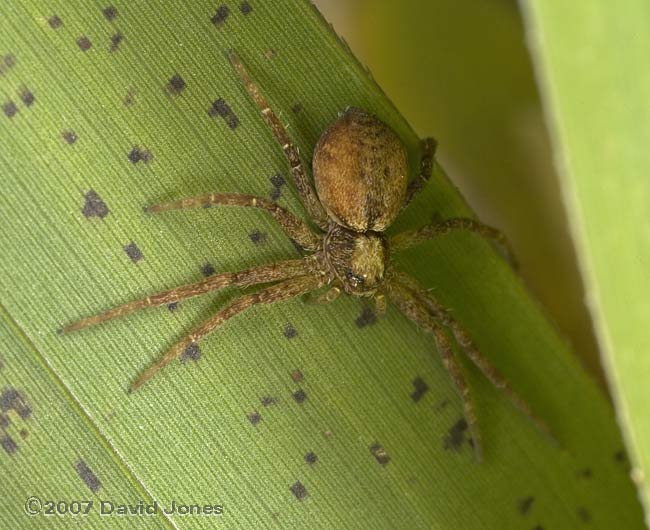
(361,178)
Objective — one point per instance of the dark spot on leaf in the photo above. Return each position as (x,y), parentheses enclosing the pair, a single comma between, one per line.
(379,453)
(175,85)
(129,98)
(296,108)
(419,389)
(583,514)
(116,40)
(26,96)
(12,399)
(311,458)
(289,331)
(55,22)
(8,444)
(191,353)
(110,12)
(278,180)
(207,269)
(268,400)
(88,476)
(221,15)
(275,194)
(84,43)
(138,154)
(172,306)
(619,456)
(585,473)
(4,421)
(254,417)
(94,205)
(69,136)
(367,317)
(524,505)
(456,435)
(221,108)
(133,251)
(7,62)
(245,8)
(257,237)
(299,490)
(299,396)
(23,433)
(297,376)
(10,109)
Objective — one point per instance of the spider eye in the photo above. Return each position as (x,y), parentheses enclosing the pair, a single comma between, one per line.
(354,279)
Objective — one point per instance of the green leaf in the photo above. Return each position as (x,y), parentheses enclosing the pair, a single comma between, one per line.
(592,64)
(283,395)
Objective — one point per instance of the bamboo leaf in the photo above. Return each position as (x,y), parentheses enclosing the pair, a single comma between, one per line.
(293,416)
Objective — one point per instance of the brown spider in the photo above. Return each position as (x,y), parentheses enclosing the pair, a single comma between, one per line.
(360,173)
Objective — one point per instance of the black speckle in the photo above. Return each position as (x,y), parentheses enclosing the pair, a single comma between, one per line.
(296,107)
(379,453)
(173,306)
(275,194)
(12,399)
(27,97)
(23,433)
(10,109)
(88,476)
(7,62)
(619,456)
(299,490)
(278,180)
(221,15)
(110,12)
(191,353)
(299,396)
(524,505)
(268,400)
(245,8)
(133,251)
(4,421)
(583,514)
(129,99)
(257,237)
(311,458)
(137,154)
(175,85)
(289,331)
(207,269)
(84,43)
(221,108)
(254,417)
(69,136)
(297,376)
(456,435)
(419,389)
(94,205)
(55,22)
(8,444)
(116,40)
(367,317)
(585,473)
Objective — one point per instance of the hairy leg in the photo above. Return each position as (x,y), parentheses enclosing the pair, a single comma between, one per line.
(411,238)
(471,350)
(426,167)
(264,274)
(281,291)
(307,193)
(414,309)
(294,227)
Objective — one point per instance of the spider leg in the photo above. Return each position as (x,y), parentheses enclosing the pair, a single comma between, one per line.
(406,301)
(264,274)
(428,146)
(411,238)
(331,294)
(471,350)
(295,228)
(307,193)
(285,290)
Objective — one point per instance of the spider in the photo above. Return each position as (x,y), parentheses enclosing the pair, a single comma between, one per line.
(360,173)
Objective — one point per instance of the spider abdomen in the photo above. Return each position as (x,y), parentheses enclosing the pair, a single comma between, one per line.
(360,172)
